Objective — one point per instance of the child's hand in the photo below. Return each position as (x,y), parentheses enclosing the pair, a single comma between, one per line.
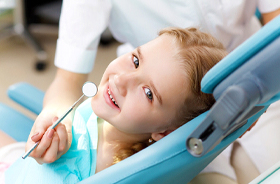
(53,142)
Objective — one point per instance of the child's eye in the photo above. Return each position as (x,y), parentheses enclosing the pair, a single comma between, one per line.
(149,93)
(136,61)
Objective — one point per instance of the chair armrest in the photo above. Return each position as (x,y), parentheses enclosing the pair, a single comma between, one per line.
(14,123)
(27,96)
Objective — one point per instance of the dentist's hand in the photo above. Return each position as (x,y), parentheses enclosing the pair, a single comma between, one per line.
(53,142)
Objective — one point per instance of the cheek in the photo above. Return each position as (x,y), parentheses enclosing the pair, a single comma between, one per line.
(135,107)
(139,112)
(97,103)
(94,104)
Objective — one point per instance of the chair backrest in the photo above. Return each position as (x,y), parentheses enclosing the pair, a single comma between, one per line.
(166,161)
(28,96)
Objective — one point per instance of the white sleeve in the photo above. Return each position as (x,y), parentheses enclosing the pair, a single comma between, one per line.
(81,24)
(266,6)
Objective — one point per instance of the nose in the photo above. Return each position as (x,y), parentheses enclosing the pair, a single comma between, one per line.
(125,82)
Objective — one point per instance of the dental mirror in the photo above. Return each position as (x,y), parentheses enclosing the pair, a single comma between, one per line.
(89,89)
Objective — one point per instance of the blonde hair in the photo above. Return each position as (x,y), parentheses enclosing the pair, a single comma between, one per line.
(198,52)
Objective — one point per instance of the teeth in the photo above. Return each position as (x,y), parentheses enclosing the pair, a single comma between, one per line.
(112,97)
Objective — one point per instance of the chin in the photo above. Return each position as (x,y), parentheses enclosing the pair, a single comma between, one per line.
(95,105)
(99,110)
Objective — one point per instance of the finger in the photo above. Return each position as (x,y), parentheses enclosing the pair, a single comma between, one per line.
(40,128)
(36,137)
(51,154)
(54,119)
(43,145)
(63,137)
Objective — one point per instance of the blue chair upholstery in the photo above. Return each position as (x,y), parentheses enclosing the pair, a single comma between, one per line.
(13,122)
(28,96)
(168,160)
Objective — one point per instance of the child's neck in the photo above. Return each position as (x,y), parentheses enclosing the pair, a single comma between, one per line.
(112,135)
(110,140)
(105,151)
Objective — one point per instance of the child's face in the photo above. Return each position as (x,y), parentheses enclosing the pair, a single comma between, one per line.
(148,85)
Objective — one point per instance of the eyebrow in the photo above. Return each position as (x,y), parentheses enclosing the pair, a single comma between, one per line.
(156,92)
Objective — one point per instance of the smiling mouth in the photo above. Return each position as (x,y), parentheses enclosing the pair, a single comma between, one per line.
(112,99)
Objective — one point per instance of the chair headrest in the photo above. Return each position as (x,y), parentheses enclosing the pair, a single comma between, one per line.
(240,55)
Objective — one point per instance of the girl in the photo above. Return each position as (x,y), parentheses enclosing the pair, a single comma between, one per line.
(142,97)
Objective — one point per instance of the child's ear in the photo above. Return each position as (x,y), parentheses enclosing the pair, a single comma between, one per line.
(159,135)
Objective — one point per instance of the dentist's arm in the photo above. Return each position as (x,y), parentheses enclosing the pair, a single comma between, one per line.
(269,16)
(62,93)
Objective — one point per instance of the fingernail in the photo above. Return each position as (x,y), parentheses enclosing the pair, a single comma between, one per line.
(35,135)
(50,133)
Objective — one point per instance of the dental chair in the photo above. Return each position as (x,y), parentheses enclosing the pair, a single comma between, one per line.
(244,84)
